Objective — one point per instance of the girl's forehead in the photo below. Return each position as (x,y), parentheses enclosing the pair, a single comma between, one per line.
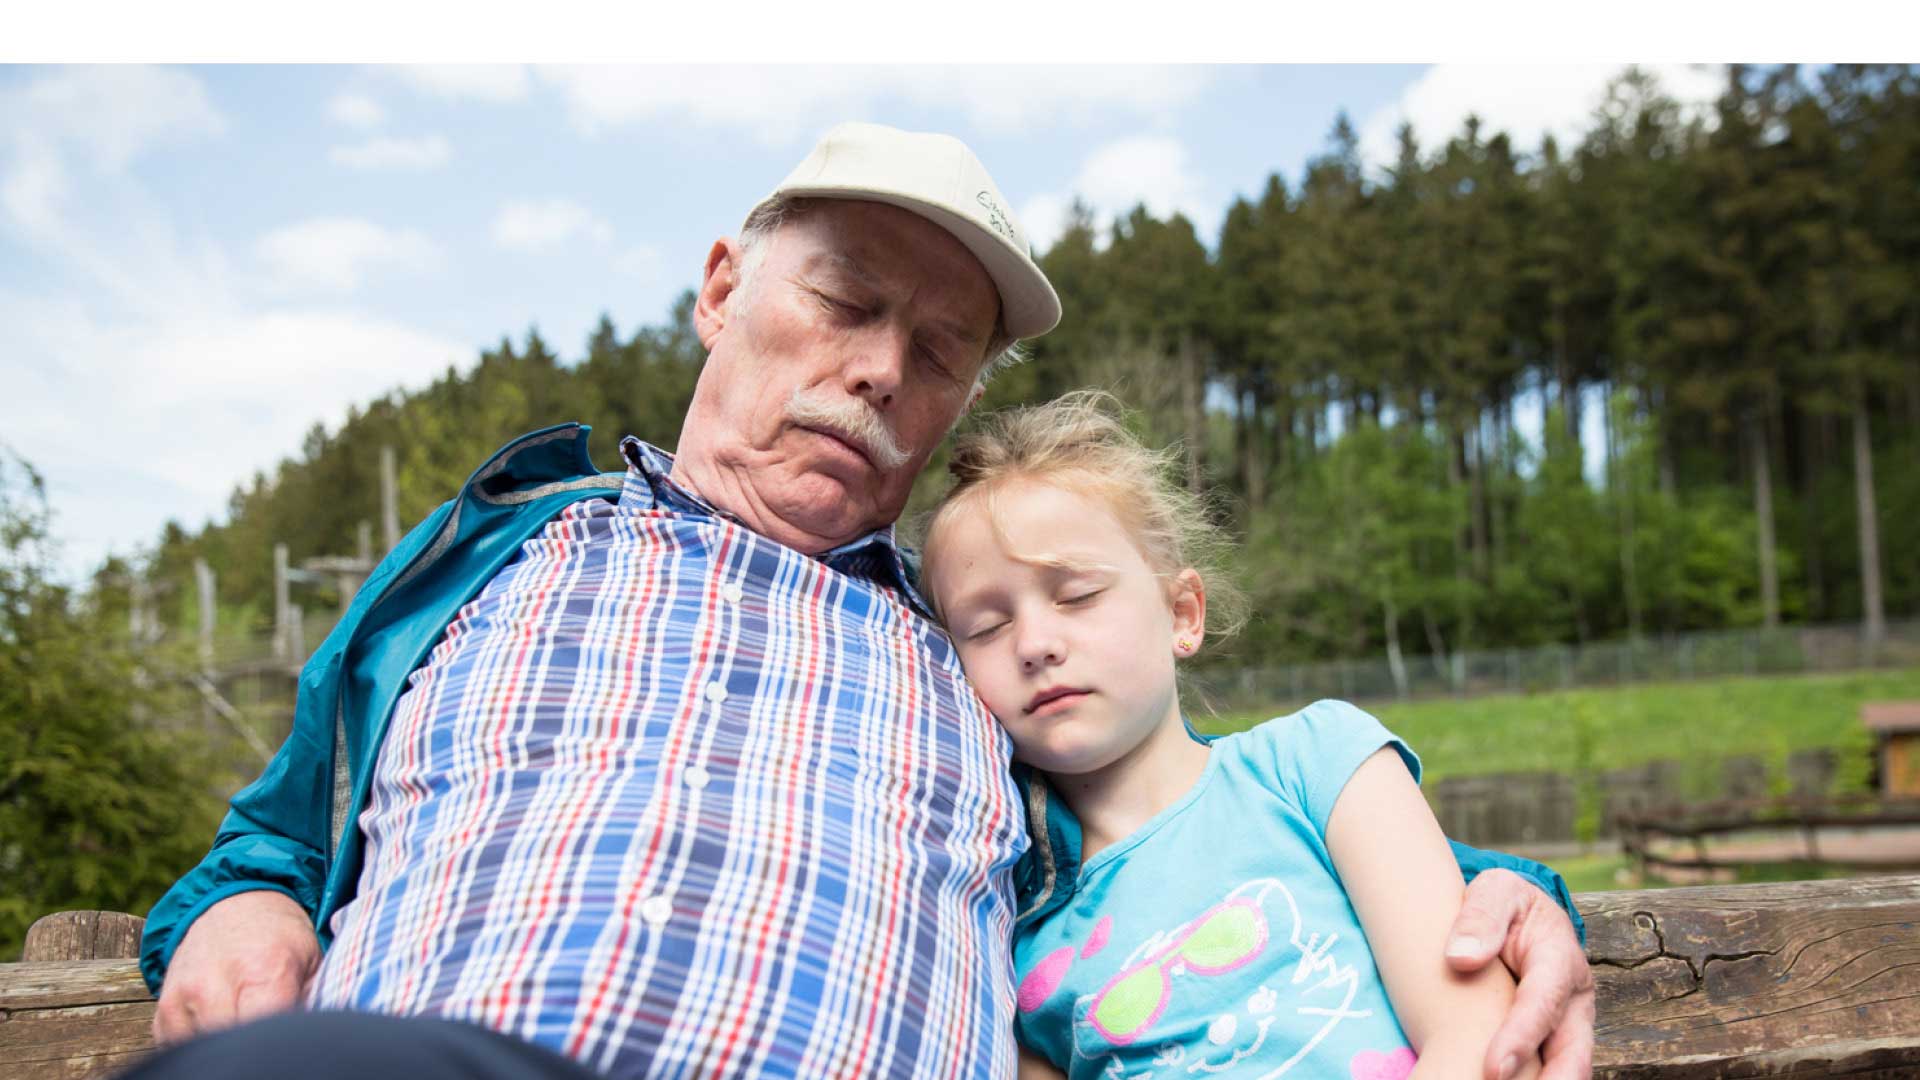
(1047,524)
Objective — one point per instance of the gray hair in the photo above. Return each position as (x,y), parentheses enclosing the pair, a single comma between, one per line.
(1003,350)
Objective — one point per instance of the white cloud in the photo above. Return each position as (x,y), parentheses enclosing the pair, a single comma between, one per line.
(419,155)
(481,82)
(335,254)
(110,114)
(1525,101)
(541,226)
(642,261)
(357,111)
(1154,170)
(179,410)
(780,104)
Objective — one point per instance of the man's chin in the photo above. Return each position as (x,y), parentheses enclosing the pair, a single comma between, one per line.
(829,510)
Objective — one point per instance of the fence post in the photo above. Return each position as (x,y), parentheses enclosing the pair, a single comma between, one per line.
(203,578)
(389,500)
(282,605)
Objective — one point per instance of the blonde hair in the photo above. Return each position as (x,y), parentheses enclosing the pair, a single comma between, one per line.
(1080,442)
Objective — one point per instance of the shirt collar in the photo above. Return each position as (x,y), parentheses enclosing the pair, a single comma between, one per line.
(877,555)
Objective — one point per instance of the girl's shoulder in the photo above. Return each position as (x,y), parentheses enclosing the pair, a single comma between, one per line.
(1310,754)
(1328,720)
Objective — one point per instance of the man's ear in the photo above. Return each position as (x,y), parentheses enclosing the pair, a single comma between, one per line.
(717,284)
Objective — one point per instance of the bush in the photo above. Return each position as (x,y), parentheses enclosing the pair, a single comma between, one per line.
(97,808)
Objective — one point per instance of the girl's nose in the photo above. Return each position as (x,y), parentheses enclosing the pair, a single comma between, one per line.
(1040,647)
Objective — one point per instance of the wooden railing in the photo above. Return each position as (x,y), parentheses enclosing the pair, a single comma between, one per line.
(1801,979)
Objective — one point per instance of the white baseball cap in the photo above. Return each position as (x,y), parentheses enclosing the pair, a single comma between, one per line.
(937,177)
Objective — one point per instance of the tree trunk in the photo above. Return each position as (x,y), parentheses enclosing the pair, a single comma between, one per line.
(1463,612)
(1620,484)
(1477,491)
(1763,514)
(1255,466)
(1395,662)
(1563,374)
(1872,609)
(1813,460)
(1193,409)
(1437,646)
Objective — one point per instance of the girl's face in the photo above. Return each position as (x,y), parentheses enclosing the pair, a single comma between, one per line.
(1072,644)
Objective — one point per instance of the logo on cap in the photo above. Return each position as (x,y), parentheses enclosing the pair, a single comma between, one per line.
(996,217)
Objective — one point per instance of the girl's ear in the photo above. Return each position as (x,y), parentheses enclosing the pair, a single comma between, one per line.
(1189,600)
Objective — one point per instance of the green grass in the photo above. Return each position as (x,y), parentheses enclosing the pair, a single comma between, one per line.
(1577,731)
(1605,872)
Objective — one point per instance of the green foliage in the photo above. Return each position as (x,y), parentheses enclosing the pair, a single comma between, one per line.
(99,809)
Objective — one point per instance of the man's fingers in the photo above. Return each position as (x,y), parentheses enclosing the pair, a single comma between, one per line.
(264,997)
(1492,903)
(193,1012)
(1539,1005)
(1569,1050)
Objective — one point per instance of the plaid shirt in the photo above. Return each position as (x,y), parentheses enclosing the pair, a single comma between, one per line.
(675,800)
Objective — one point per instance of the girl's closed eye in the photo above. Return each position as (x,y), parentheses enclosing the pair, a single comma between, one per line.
(1082,599)
(986,631)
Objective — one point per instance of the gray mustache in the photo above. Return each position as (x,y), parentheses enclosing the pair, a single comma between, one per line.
(851,419)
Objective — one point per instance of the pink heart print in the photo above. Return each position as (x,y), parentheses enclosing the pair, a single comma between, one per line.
(1382,1065)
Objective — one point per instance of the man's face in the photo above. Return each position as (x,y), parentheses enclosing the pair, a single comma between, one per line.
(833,375)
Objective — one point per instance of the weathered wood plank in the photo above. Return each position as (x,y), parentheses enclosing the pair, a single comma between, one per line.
(84,935)
(79,1043)
(1795,979)
(70,985)
(1801,979)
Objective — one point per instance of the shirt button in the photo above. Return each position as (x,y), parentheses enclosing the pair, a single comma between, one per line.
(731,592)
(696,777)
(716,693)
(656,910)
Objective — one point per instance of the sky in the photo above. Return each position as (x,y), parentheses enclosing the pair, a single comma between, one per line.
(198,264)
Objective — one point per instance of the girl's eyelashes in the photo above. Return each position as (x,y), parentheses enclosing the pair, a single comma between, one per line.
(985,632)
(1079,599)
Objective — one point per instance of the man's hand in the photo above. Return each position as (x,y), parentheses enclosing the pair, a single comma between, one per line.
(1505,915)
(246,956)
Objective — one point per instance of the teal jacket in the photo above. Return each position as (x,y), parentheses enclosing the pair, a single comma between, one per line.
(294,830)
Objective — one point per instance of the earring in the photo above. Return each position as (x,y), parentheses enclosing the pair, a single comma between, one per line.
(1184,645)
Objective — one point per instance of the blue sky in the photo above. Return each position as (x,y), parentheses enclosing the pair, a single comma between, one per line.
(199,263)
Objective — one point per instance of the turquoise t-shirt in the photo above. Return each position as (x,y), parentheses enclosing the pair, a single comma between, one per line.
(1217,939)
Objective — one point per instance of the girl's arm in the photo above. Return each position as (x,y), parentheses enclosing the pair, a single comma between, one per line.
(1035,1067)
(1405,886)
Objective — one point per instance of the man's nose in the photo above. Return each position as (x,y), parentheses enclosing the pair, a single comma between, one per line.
(879,363)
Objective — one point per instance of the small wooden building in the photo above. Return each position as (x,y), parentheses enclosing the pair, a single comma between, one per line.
(1896,730)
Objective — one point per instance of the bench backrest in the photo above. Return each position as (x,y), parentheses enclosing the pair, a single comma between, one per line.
(1817,978)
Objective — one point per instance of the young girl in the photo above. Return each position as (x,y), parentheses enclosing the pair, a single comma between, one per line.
(1273,903)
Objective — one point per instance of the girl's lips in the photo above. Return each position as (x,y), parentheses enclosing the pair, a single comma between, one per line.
(1054,700)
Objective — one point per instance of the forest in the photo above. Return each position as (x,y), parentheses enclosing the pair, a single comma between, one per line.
(1666,378)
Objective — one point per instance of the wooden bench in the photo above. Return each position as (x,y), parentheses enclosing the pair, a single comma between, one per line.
(1803,979)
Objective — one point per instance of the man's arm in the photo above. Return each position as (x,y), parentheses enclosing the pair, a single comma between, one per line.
(1528,922)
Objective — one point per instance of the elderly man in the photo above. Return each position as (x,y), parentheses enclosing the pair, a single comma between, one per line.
(670,772)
